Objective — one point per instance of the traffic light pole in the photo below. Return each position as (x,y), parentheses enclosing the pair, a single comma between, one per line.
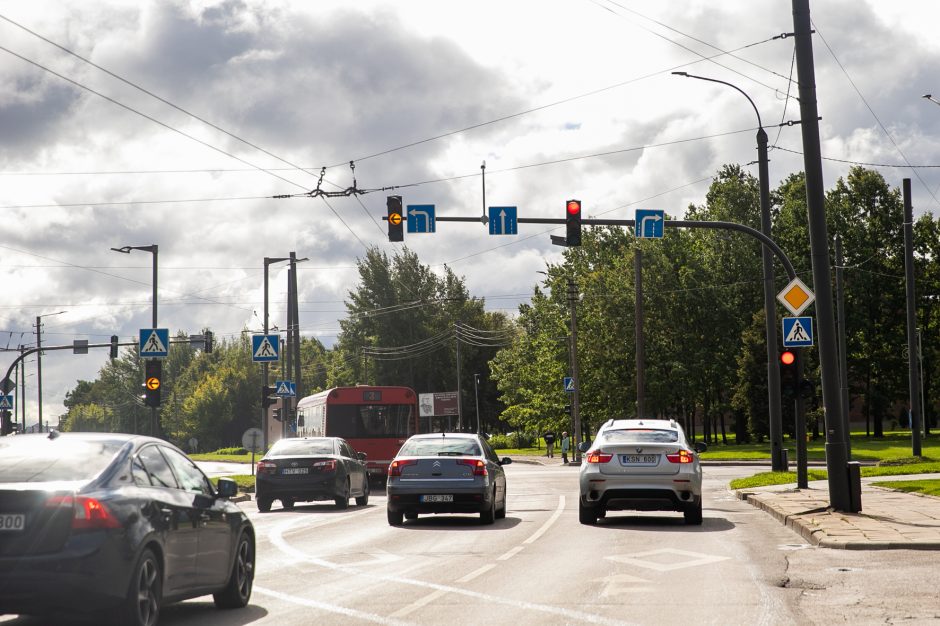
(573,297)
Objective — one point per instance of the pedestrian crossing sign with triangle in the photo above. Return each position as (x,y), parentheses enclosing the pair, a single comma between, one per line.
(285,389)
(154,343)
(264,348)
(6,402)
(797,332)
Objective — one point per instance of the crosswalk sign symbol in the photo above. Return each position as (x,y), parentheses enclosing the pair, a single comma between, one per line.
(6,402)
(154,342)
(285,388)
(797,332)
(264,348)
(569,384)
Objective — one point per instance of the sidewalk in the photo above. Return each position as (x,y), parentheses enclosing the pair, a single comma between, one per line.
(889,519)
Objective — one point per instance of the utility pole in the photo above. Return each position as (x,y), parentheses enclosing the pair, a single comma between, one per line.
(459,396)
(573,297)
(836,437)
(638,333)
(843,355)
(912,348)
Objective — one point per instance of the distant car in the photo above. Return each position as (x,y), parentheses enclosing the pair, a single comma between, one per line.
(115,526)
(641,465)
(305,469)
(446,473)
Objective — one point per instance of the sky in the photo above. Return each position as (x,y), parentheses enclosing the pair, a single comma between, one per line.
(175,123)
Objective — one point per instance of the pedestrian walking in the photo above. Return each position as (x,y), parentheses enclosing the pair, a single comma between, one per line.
(549,444)
(565,445)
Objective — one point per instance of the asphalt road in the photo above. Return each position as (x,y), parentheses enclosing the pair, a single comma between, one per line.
(317,565)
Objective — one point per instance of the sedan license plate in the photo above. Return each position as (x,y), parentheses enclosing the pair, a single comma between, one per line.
(639,459)
(12,522)
(295,470)
(448,497)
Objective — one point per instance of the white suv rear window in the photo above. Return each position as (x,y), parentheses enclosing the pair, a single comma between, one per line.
(641,435)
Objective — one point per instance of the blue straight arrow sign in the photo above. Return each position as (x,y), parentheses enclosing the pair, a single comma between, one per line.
(503,220)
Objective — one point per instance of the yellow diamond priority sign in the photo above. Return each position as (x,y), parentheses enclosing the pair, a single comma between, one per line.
(796,296)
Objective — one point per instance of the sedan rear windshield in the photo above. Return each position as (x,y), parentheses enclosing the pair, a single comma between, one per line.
(641,435)
(28,460)
(445,446)
(300,447)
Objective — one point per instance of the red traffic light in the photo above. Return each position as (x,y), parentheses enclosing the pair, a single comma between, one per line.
(787,357)
(574,206)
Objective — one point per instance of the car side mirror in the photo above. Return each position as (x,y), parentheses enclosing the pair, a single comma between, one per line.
(361,456)
(584,446)
(700,446)
(227,488)
(505,461)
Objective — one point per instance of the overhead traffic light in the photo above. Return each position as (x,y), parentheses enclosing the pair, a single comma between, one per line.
(789,383)
(207,337)
(573,222)
(267,396)
(153,380)
(114,346)
(277,414)
(396,227)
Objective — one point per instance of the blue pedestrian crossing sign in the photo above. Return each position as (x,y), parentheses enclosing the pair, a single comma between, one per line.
(421,218)
(797,332)
(264,348)
(648,223)
(503,220)
(6,402)
(569,384)
(285,388)
(154,343)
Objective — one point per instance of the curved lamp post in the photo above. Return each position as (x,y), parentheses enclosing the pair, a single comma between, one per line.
(39,362)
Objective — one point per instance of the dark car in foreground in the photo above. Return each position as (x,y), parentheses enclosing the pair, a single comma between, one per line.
(641,465)
(304,469)
(114,526)
(446,473)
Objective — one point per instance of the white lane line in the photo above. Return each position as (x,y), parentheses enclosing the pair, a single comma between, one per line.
(548,524)
(417,604)
(511,553)
(332,608)
(478,572)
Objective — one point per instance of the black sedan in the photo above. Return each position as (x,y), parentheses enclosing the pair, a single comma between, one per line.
(303,469)
(115,525)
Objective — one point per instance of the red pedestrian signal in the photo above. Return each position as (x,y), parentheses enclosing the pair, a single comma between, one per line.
(787,357)
(573,222)
(789,381)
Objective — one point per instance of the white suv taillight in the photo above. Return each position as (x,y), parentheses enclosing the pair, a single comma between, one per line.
(682,456)
(599,456)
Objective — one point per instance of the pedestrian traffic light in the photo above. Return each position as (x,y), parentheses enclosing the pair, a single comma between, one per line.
(207,337)
(277,414)
(396,228)
(568,409)
(789,384)
(114,346)
(153,380)
(6,424)
(267,393)
(573,222)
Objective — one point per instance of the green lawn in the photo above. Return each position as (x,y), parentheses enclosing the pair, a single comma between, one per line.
(929,487)
(893,446)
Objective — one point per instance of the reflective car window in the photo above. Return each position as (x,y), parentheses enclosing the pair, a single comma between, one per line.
(445,446)
(40,459)
(157,468)
(139,472)
(297,447)
(641,435)
(188,475)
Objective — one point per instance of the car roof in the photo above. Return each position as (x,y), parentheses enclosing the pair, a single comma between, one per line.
(445,435)
(640,423)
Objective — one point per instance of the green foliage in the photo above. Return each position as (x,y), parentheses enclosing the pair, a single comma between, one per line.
(235,451)
(515,440)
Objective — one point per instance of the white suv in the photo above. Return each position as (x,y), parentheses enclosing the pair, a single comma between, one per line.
(641,465)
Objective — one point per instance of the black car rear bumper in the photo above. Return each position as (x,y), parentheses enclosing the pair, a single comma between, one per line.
(309,488)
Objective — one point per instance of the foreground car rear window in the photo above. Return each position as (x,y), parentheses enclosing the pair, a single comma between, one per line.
(43,460)
(440,447)
(642,435)
(301,447)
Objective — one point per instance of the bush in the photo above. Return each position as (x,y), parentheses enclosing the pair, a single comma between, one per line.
(231,451)
(512,440)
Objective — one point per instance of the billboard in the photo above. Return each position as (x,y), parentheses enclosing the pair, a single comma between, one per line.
(437,404)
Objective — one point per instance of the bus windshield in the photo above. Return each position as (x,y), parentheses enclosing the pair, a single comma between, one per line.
(370,420)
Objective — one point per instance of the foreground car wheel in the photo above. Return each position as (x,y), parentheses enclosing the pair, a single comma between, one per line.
(144,594)
(693,516)
(287,503)
(488,516)
(587,514)
(342,501)
(264,504)
(237,591)
(363,500)
(395,518)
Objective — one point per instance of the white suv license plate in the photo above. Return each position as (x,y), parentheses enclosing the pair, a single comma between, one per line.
(295,470)
(639,459)
(447,497)
(12,522)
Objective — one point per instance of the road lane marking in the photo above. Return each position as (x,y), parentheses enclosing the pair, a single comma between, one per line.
(332,608)
(687,559)
(548,524)
(478,572)
(511,553)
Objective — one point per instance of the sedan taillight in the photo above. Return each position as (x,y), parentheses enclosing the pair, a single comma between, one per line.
(599,456)
(88,513)
(478,465)
(324,466)
(682,456)
(395,468)
(267,467)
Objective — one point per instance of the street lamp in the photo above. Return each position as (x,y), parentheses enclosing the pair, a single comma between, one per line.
(775,413)
(39,361)
(476,391)
(153,249)
(264,365)
(931,98)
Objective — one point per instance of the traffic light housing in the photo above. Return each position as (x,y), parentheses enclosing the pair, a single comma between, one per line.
(789,383)
(267,393)
(277,414)
(6,423)
(207,337)
(153,381)
(114,346)
(396,226)
(573,222)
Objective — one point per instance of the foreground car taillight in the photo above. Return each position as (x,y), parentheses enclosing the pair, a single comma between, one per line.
(478,465)
(395,468)
(88,513)
(324,466)
(267,467)
(682,456)
(599,456)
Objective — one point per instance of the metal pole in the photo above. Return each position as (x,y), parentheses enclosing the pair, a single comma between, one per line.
(264,366)
(573,297)
(638,334)
(459,396)
(913,379)
(39,366)
(298,378)
(843,355)
(836,447)
(476,393)
(802,477)
(155,429)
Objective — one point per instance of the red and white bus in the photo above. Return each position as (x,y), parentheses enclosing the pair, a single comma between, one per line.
(374,420)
